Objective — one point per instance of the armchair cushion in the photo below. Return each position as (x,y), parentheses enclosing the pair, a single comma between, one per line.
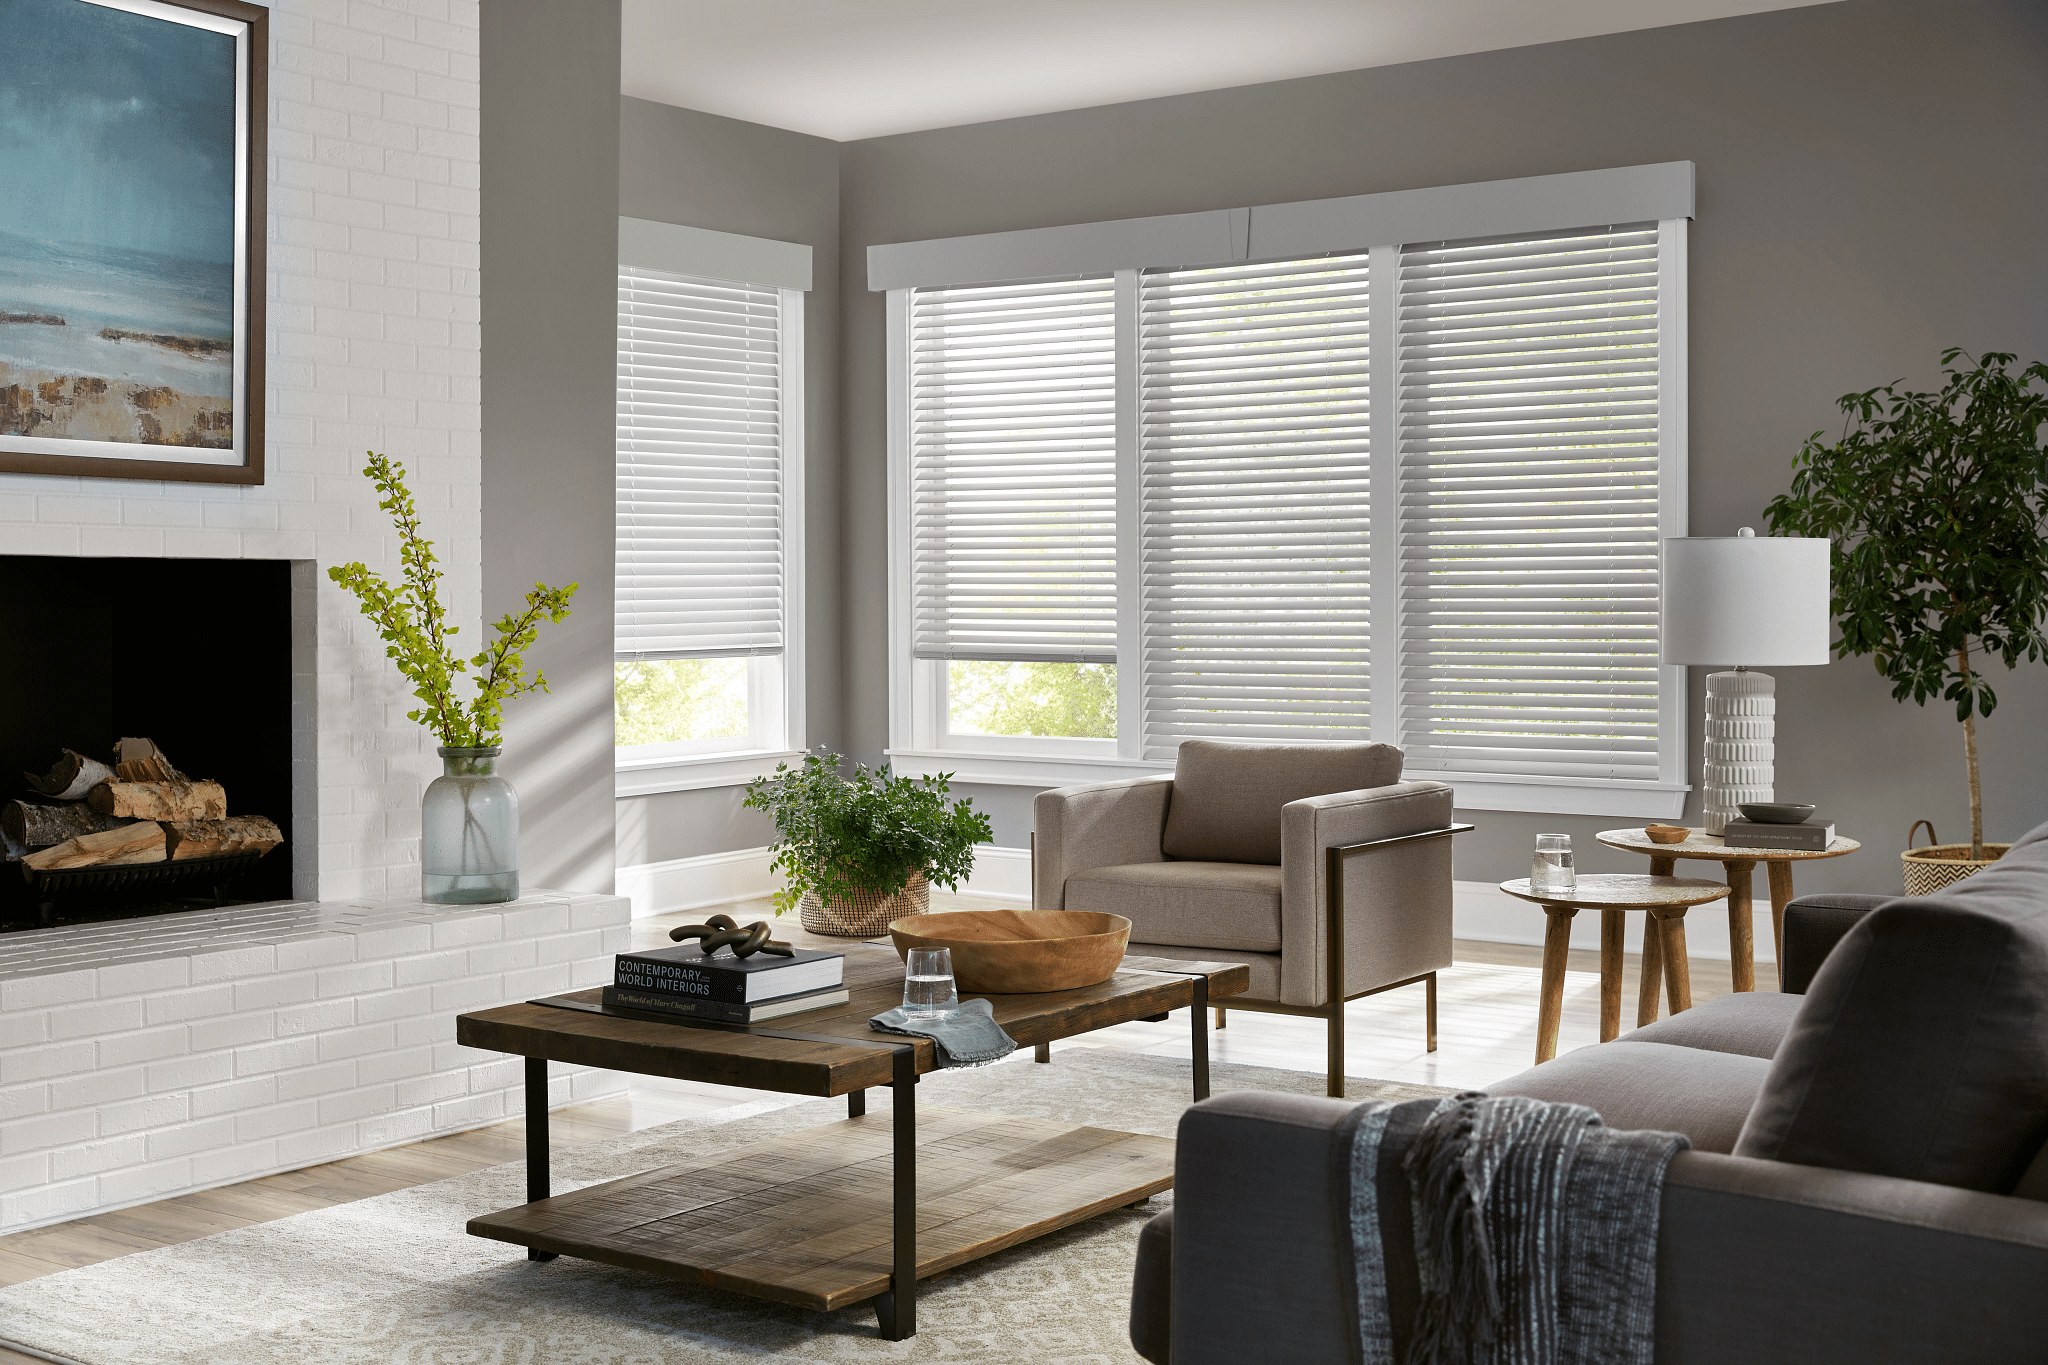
(1188,904)
(1227,796)
(1920,1050)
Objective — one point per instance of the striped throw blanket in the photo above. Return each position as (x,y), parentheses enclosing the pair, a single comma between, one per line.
(1504,1231)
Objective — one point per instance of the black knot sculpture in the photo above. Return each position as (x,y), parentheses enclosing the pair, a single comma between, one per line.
(720,931)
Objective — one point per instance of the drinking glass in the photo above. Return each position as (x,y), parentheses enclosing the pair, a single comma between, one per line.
(928,991)
(1551,867)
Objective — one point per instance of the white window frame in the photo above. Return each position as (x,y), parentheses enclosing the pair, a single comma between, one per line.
(775,683)
(919,740)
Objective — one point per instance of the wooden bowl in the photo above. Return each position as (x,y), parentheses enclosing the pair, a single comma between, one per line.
(1666,834)
(1020,952)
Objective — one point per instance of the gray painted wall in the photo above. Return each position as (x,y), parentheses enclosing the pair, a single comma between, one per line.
(1871,189)
(700,170)
(550,191)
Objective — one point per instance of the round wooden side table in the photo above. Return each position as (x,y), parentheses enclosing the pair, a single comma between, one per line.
(1736,864)
(1614,895)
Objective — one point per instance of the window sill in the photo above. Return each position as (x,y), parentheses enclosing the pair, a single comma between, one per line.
(648,777)
(1534,795)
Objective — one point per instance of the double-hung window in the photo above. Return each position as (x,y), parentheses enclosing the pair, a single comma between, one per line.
(1390,468)
(709,451)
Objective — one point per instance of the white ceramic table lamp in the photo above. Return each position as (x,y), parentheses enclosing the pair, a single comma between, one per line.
(1745,600)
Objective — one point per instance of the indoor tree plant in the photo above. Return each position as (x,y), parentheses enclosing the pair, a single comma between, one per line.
(469,825)
(1933,503)
(859,851)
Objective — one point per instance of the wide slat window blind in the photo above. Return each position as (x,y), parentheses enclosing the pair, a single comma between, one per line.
(1013,471)
(1255,502)
(699,468)
(1529,503)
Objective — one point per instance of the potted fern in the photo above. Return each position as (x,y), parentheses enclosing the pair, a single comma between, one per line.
(1934,503)
(469,818)
(859,851)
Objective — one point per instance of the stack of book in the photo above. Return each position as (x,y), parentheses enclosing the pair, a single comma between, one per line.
(725,989)
(1813,834)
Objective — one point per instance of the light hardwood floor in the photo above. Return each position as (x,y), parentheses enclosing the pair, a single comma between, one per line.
(1487,1032)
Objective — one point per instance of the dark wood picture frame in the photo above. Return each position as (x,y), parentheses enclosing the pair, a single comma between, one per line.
(249,334)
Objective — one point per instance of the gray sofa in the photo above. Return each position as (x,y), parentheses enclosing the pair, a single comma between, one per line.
(1869,1178)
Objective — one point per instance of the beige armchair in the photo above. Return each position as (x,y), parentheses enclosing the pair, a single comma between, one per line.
(1315,866)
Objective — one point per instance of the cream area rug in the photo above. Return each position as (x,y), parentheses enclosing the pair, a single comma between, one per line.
(394,1280)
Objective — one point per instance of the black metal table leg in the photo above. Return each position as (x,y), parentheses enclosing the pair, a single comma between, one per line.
(1198,1014)
(856,1103)
(537,1140)
(896,1308)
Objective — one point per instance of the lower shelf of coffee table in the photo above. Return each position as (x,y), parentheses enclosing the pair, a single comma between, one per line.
(805,1218)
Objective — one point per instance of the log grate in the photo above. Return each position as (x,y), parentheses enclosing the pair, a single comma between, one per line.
(183,876)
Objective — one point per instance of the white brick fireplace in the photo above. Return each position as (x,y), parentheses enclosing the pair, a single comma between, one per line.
(145,1057)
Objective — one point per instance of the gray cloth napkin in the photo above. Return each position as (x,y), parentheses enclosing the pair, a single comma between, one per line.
(970,1036)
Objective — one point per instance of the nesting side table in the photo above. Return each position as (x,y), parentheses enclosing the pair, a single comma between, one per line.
(1737,863)
(1666,899)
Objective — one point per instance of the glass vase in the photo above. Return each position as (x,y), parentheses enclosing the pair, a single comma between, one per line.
(469,831)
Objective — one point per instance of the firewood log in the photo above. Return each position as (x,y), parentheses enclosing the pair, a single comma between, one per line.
(209,838)
(141,842)
(34,824)
(72,778)
(201,800)
(139,760)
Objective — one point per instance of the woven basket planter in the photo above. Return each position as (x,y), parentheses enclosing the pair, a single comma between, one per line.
(1930,869)
(865,914)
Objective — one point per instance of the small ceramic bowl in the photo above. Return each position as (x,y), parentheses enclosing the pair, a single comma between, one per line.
(1666,834)
(1775,812)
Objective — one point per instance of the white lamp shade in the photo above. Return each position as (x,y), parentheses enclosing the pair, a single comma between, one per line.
(1752,601)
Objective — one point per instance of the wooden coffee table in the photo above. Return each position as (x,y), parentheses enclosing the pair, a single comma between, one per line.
(1737,862)
(829,1216)
(1665,898)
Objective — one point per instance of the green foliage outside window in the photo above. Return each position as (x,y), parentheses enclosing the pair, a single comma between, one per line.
(1056,699)
(662,701)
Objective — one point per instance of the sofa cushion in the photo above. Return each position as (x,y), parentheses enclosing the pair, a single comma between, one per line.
(1922,1049)
(1227,797)
(1704,1095)
(2033,1183)
(1748,1023)
(1194,905)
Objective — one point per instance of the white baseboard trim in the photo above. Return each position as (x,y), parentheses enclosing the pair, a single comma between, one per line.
(701,883)
(714,879)
(1481,910)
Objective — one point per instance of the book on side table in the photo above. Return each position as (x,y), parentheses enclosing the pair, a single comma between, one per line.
(1812,834)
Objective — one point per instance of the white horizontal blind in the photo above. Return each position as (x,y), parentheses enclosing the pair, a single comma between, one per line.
(1013,471)
(1255,502)
(1529,430)
(699,467)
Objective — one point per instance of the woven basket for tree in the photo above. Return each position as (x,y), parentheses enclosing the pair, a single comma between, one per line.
(1930,869)
(865,914)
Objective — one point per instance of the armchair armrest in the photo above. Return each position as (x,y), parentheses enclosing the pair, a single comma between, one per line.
(1813,926)
(1768,1263)
(1105,824)
(1397,916)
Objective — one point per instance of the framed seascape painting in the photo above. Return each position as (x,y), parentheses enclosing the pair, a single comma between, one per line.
(131,238)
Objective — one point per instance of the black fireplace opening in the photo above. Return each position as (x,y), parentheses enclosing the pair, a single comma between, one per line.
(195,654)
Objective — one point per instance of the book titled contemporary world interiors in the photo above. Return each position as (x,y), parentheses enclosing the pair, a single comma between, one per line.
(1809,835)
(685,972)
(688,1007)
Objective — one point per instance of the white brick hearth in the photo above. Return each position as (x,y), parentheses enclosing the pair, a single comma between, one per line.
(145,1058)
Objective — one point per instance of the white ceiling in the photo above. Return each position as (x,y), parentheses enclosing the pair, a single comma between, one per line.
(847,69)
